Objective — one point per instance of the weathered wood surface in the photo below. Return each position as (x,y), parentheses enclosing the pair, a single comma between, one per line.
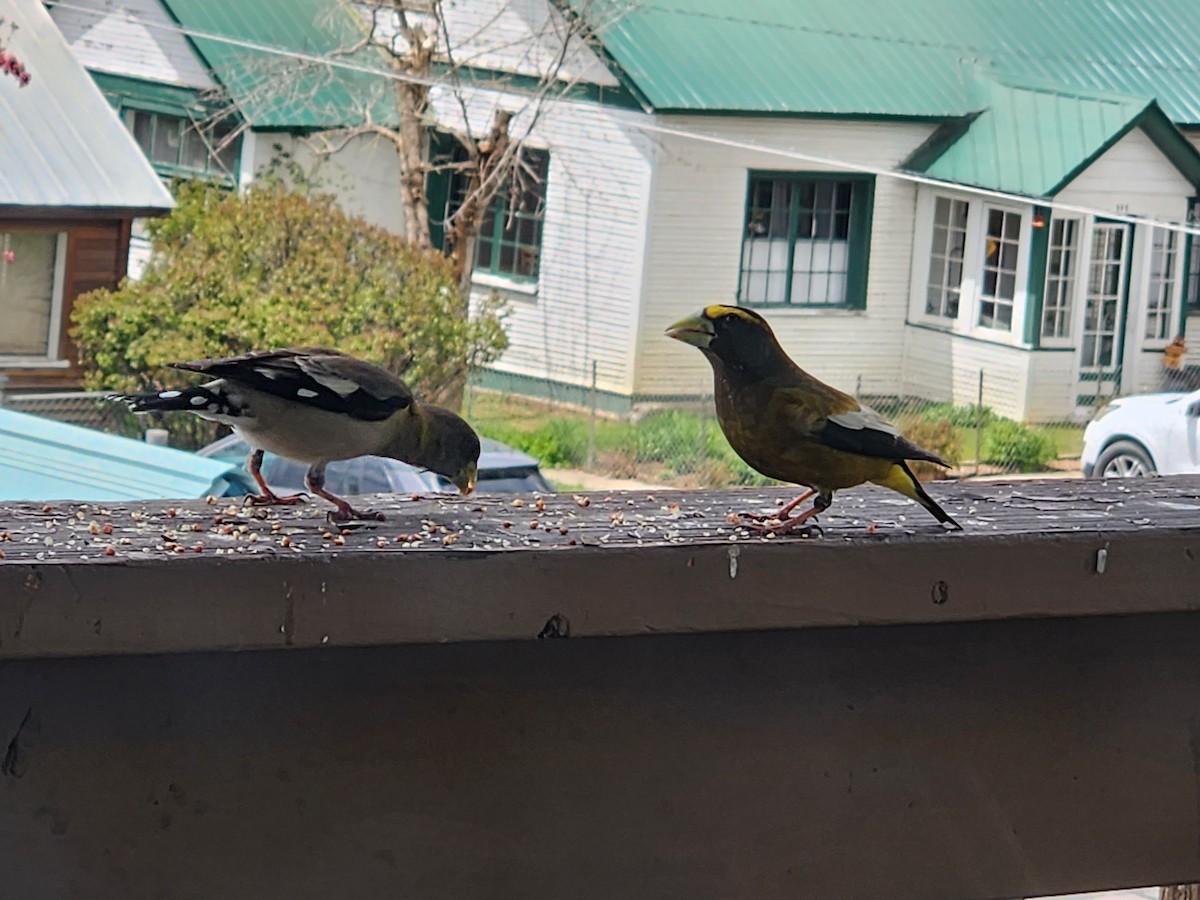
(157,577)
(1053,752)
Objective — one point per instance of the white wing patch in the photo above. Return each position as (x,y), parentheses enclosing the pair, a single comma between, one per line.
(858,419)
(168,395)
(266,373)
(343,387)
(305,393)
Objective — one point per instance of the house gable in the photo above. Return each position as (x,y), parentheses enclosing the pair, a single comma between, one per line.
(137,39)
(1037,140)
(54,164)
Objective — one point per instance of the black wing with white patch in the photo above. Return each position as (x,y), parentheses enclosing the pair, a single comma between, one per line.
(327,379)
(867,433)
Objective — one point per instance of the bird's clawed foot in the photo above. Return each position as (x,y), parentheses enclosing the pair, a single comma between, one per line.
(804,525)
(346,513)
(270,498)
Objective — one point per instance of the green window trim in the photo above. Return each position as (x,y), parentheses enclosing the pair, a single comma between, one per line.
(858,237)
(1035,288)
(1190,290)
(501,241)
(223,167)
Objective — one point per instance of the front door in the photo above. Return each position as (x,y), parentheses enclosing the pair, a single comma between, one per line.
(1104,314)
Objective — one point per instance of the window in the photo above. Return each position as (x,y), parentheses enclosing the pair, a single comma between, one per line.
(178,146)
(1060,278)
(29,289)
(998,289)
(510,239)
(1163,285)
(1193,274)
(510,236)
(806,241)
(946,257)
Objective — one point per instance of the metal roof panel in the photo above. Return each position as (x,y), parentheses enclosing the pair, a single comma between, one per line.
(43,459)
(61,142)
(878,57)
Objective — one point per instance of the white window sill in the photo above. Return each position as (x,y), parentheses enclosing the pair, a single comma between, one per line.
(801,312)
(33,362)
(500,283)
(940,324)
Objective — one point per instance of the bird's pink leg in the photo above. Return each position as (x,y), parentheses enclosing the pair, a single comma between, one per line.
(783,513)
(268,496)
(315,479)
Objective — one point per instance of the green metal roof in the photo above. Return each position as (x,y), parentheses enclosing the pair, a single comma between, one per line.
(880,57)
(1035,140)
(153,95)
(277,92)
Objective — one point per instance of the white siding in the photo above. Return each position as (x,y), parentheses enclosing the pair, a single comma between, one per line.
(697,218)
(364,175)
(134,38)
(583,308)
(1135,177)
(1052,386)
(522,36)
(942,366)
(1132,177)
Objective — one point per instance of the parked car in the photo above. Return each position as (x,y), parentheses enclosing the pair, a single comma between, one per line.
(502,470)
(1148,434)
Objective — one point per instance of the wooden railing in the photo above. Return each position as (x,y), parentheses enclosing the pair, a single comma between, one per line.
(726,717)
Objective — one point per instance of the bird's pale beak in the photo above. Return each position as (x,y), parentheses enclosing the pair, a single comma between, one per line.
(695,330)
(465,482)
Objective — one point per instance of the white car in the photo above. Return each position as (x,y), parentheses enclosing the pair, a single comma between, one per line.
(1148,434)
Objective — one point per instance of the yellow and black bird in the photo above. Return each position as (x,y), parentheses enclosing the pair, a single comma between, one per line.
(317,405)
(791,427)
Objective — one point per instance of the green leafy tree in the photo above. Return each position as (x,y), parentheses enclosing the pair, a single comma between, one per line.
(271,268)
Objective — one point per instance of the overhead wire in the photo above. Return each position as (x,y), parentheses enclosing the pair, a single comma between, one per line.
(650,126)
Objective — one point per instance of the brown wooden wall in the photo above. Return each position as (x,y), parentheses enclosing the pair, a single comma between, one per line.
(97,254)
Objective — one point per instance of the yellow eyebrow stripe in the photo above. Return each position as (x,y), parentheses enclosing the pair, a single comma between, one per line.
(717,311)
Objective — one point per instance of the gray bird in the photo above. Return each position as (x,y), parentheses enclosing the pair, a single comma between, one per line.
(316,405)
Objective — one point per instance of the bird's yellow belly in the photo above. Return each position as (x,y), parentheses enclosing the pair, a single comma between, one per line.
(817,466)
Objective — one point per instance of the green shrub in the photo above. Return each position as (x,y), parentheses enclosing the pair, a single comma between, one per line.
(1017,447)
(937,435)
(559,442)
(959,416)
(274,268)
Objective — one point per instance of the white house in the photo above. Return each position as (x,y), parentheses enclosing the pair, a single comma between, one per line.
(912,195)
(69,193)
(212,107)
(744,157)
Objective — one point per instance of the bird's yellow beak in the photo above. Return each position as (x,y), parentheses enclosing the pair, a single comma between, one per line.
(695,330)
(465,481)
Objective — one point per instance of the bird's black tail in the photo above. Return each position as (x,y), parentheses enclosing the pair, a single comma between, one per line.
(199,399)
(918,494)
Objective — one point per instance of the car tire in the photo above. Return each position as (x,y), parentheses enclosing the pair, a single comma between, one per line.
(1124,459)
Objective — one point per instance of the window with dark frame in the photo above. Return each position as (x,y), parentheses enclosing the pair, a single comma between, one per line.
(946,257)
(1061,261)
(178,146)
(1193,273)
(998,286)
(510,236)
(805,241)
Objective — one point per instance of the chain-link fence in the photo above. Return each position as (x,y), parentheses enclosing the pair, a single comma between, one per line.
(679,442)
(91,409)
